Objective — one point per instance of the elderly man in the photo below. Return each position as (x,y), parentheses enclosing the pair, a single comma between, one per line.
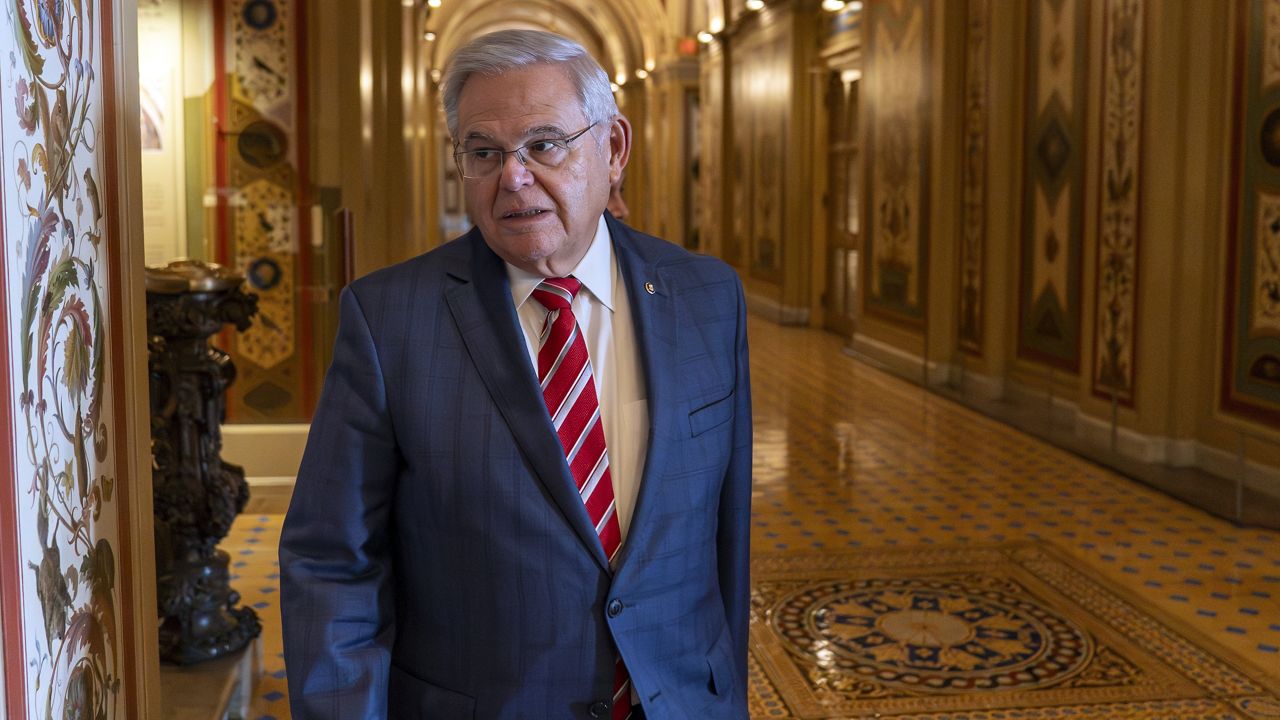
(527,487)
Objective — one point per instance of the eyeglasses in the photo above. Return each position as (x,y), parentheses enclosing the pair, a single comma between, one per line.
(543,153)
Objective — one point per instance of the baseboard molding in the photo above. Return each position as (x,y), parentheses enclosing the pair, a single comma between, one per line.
(985,387)
(770,309)
(214,690)
(902,363)
(1162,450)
(1205,476)
(1255,475)
(269,495)
(265,450)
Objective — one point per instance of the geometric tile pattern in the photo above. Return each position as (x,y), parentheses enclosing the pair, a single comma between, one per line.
(973,629)
(253,544)
(261,232)
(852,464)
(864,483)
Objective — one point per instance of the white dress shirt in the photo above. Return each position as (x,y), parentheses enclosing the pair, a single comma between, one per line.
(604,314)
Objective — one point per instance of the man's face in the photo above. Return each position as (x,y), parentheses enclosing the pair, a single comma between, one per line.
(538,219)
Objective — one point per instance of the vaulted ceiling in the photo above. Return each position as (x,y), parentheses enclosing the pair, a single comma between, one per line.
(623,34)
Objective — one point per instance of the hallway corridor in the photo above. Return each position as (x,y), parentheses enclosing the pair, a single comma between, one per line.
(914,559)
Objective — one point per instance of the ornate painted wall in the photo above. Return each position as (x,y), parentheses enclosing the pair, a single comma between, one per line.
(1053,200)
(973,242)
(1251,366)
(1115,331)
(896,113)
(67,551)
(264,234)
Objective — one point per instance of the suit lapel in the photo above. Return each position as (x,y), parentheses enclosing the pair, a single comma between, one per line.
(480,301)
(654,317)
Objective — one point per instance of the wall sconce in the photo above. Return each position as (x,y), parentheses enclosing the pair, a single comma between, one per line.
(704,37)
(755,5)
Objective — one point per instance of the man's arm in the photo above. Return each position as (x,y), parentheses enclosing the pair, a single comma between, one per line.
(733,535)
(335,561)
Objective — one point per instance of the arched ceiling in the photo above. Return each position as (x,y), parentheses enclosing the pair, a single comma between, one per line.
(623,35)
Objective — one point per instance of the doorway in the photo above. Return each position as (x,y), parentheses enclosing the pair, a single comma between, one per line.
(843,209)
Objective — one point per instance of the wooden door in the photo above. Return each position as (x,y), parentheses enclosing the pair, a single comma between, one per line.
(844,212)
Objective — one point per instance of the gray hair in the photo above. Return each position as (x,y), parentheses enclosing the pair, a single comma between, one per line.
(506,50)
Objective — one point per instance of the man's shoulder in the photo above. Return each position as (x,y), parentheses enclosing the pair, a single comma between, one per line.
(416,272)
(670,256)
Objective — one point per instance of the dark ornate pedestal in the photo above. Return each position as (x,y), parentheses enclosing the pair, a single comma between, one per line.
(196,494)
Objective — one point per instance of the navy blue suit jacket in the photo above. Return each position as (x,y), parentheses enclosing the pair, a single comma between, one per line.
(437,562)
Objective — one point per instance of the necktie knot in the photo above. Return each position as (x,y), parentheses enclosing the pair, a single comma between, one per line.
(557,293)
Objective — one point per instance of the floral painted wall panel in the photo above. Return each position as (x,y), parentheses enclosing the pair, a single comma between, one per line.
(1115,327)
(972,244)
(1053,203)
(56,256)
(263,157)
(898,127)
(1251,366)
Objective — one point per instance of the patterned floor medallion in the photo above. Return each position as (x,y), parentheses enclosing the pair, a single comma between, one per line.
(933,635)
(906,632)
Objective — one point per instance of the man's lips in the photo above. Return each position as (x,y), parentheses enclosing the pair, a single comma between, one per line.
(524,214)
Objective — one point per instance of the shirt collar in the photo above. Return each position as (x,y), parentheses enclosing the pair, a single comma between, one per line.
(594,271)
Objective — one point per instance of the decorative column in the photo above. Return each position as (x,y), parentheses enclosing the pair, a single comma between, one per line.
(197,495)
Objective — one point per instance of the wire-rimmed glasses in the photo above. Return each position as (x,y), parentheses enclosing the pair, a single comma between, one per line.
(544,152)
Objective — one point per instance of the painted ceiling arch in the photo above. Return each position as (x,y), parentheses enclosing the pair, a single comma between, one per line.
(624,34)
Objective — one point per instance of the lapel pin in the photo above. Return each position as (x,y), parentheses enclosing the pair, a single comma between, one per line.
(648,287)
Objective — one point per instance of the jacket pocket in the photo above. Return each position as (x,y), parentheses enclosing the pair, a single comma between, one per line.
(720,665)
(711,415)
(410,697)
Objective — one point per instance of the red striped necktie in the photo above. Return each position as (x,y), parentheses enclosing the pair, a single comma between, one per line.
(564,370)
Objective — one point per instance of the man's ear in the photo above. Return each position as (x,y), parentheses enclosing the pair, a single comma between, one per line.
(619,146)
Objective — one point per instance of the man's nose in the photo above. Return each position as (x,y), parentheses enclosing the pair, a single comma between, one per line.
(515,174)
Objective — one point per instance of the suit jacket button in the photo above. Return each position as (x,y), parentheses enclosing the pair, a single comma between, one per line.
(599,709)
(615,608)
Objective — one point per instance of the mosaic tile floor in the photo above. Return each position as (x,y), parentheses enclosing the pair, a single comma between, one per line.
(914,559)
(253,544)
